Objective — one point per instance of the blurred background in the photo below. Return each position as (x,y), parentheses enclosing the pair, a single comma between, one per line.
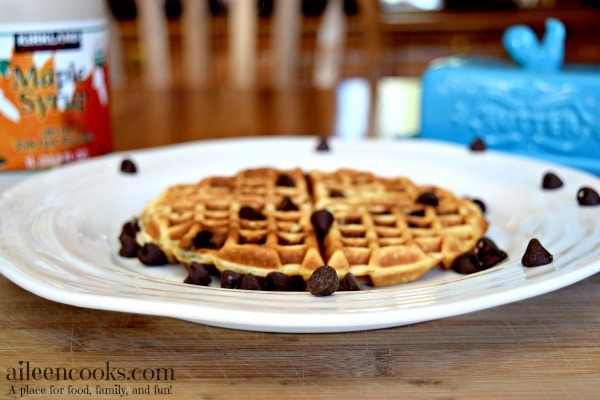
(408,34)
(349,68)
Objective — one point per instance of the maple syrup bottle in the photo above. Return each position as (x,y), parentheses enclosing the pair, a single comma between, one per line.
(54,97)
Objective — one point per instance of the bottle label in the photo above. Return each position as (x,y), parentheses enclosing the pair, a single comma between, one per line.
(54,100)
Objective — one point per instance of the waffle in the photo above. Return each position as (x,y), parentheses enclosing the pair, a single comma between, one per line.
(384,230)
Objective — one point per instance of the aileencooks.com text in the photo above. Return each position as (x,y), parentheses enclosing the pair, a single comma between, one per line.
(26,371)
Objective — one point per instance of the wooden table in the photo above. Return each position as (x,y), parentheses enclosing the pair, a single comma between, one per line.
(145,118)
(546,347)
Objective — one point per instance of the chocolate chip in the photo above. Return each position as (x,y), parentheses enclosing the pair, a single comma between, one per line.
(336,193)
(202,240)
(285,180)
(323,281)
(151,255)
(128,166)
(323,145)
(535,254)
(129,246)
(251,282)
(349,283)
(466,263)
(586,196)
(321,221)
(428,199)
(247,212)
(212,270)
(231,279)
(488,253)
(198,274)
(287,205)
(130,228)
(477,145)
(551,181)
(485,255)
(480,204)
(297,283)
(277,282)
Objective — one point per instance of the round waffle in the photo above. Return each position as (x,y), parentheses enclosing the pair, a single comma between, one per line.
(383,230)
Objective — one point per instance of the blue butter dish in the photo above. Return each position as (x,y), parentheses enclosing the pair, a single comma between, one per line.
(534,105)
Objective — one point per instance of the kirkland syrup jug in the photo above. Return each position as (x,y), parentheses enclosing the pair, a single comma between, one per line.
(54,98)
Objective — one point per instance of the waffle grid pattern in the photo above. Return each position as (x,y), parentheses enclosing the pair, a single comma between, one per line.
(259,221)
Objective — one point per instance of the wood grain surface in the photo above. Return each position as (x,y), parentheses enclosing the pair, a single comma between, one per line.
(148,118)
(546,347)
(543,348)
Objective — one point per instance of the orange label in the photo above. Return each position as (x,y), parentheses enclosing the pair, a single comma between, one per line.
(53,95)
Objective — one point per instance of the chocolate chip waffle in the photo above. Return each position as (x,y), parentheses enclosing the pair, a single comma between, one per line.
(382,230)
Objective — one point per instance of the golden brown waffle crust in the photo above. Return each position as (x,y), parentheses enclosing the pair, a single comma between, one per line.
(381,233)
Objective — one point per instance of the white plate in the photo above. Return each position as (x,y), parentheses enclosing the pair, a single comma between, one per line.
(60,230)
